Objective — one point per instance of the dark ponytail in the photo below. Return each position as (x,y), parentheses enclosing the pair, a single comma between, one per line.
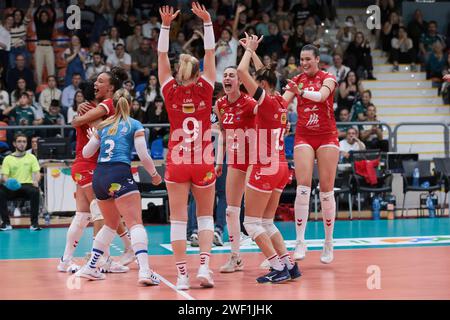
(117,76)
(314,49)
(268,73)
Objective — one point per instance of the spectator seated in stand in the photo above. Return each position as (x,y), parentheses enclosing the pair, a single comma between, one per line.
(349,144)
(402,50)
(50,93)
(372,134)
(54,117)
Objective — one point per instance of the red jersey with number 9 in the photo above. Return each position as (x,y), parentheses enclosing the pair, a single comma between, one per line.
(81,133)
(189,109)
(315,118)
(271,123)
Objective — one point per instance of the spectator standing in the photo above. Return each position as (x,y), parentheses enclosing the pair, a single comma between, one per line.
(19,35)
(296,41)
(44,22)
(5,44)
(50,93)
(226,47)
(75,56)
(390,31)
(416,27)
(301,11)
(20,173)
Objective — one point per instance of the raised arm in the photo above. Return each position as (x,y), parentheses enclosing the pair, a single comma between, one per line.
(209,69)
(251,44)
(167,16)
(255,58)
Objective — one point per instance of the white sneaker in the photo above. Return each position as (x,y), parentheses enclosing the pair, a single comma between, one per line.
(110,266)
(148,278)
(127,258)
(183,282)
(327,253)
(89,273)
(233,264)
(265,264)
(300,250)
(245,240)
(67,266)
(205,276)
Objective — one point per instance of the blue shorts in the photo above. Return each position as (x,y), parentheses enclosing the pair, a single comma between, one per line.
(113,180)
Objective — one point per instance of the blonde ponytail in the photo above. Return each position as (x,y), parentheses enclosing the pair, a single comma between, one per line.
(189,67)
(122,102)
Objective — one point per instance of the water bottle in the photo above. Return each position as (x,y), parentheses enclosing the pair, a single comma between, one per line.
(47,218)
(376,207)
(416,176)
(430,206)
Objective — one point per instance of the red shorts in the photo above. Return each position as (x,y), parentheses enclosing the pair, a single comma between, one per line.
(317,141)
(200,175)
(82,172)
(271,180)
(240,167)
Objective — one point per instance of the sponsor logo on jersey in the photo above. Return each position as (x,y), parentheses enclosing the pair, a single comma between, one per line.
(283,118)
(188,108)
(313,120)
(314,108)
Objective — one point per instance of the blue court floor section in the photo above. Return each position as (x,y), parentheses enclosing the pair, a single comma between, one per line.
(50,242)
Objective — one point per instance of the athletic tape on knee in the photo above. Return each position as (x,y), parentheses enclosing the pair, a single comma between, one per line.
(253,226)
(81,219)
(327,202)
(178,230)
(205,223)
(303,195)
(95,211)
(270,227)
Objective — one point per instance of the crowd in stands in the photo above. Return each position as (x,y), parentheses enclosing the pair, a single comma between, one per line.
(42,63)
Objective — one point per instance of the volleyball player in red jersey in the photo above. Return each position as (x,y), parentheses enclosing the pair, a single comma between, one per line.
(82,172)
(190,162)
(270,174)
(316,137)
(236,112)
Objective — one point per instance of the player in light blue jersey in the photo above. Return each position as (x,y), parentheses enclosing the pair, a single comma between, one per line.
(115,188)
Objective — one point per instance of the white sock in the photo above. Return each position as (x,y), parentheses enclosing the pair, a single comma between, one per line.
(181,268)
(77,226)
(275,262)
(101,245)
(287,260)
(328,204)
(204,258)
(234,227)
(301,208)
(126,239)
(139,243)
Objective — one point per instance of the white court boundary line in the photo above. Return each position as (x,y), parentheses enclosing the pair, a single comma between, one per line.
(173,287)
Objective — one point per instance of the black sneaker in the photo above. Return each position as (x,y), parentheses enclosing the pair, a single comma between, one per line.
(275,276)
(295,272)
(35,228)
(5,227)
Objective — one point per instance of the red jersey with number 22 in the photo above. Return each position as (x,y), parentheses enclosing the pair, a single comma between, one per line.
(82,138)
(315,118)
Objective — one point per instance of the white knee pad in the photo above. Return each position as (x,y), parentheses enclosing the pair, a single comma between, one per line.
(81,219)
(95,211)
(178,230)
(205,223)
(253,226)
(303,195)
(270,227)
(327,201)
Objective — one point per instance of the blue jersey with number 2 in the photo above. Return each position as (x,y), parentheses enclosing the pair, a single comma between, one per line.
(118,147)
